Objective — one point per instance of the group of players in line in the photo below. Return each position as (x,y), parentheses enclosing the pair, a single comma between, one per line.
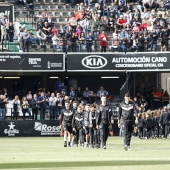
(89,125)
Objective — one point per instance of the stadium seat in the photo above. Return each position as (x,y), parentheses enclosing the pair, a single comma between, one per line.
(40,1)
(58,14)
(60,7)
(56,1)
(66,14)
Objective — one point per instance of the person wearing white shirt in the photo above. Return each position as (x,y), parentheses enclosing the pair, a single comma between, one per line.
(53,106)
(102,92)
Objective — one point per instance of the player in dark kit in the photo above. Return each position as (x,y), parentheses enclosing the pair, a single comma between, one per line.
(164,121)
(86,123)
(93,130)
(77,124)
(126,120)
(104,120)
(66,118)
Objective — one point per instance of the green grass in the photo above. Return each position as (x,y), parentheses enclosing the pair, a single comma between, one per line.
(48,153)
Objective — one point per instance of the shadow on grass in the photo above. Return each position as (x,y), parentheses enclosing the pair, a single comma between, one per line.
(81,164)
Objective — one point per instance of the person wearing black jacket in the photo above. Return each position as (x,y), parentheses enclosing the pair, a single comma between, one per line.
(77,124)
(165,37)
(3,102)
(126,120)
(149,126)
(73,40)
(104,120)
(34,107)
(140,126)
(66,119)
(156,125)
(93,129)
(42,101)
(141,41)
(154,37)
(164,121)
(86,123)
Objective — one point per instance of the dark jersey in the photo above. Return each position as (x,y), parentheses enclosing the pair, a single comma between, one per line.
(165,118)
(86,118)
(104,115)
(77,121)
(66,116)
(93,118)
(126,111)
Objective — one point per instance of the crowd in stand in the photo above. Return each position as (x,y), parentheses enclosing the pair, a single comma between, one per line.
(117,25)
(135,28)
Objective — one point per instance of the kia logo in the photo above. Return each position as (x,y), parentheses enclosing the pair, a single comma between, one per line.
(94,62)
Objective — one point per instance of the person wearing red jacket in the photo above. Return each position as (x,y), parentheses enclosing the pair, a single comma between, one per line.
(103,38)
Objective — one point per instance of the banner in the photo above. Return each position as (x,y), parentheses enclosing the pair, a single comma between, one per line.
(86,62)
(31,62)
(30,128)
(7,10)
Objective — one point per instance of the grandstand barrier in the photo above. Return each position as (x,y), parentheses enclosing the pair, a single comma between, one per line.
(37,128)
(32,62)
(121,62)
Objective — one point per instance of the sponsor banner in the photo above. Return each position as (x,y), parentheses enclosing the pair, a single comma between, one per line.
(30,128)
(118,62)
(37,128)
(7,10)
(32,62)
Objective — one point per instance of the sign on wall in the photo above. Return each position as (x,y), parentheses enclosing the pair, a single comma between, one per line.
(7,10)
(118,62)
(31,62)
(30,128)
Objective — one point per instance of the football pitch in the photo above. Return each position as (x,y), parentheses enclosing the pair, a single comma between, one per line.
(48,153)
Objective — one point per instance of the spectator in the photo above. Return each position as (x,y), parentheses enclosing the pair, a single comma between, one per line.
(89,42)
(55,42)
(11,32)
(85,24)
(101,92)
(103,38)
(25,107)
(42,101)
(145,14)
(72,94)
(63,44)
(29,96)
(54,30)
(78,30)
(113,10)
(41,37)
(164,34)
(79,94)
(154,37)
(46,29)
(92,97)
(33,38)
(61,31)
(16,107)
(134,42)
(45,15)
(34,107)
(103,24)
(20,38)
(81,41)
(162,9)
(26,39)
(121,22)
(122,45)
(73,40)
(86,94)
(29,4)
(141,41)
(73,23)
(110,25)
(68,30)
(79,15)
(3,102)
(115,43)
